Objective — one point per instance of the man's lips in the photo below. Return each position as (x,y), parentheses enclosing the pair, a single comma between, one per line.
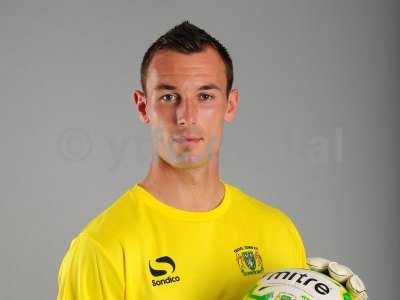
(187,139)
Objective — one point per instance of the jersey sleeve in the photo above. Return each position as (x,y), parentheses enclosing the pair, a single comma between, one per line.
(291,246)
(86,273)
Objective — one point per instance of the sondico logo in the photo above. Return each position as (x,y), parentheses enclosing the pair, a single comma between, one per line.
(164,266)
(319,287)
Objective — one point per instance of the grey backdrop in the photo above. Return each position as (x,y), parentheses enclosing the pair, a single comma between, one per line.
(316,132)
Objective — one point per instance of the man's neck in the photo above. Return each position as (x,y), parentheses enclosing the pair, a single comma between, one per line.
(196,189)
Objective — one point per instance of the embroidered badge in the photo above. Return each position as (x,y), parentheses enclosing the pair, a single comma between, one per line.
(249,260)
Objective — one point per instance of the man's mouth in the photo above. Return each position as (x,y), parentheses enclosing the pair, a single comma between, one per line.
(187,139)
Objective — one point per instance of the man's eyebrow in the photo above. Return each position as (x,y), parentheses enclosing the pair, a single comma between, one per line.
(210,86)
(164,86)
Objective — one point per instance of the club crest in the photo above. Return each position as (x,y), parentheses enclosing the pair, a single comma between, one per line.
(249,260)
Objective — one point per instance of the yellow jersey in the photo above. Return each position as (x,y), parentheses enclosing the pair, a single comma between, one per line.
(142,248)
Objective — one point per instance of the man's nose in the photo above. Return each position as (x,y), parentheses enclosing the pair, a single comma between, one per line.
(186,112)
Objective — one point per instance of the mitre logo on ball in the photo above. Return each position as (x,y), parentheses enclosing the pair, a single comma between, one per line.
(297,284)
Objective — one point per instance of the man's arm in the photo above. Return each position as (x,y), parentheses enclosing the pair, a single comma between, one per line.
(289,250)
(338,272)
(86,272)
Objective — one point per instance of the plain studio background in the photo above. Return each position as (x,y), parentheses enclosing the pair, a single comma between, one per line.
(315,135)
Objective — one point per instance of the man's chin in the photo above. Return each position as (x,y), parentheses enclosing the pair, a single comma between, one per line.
(189,162)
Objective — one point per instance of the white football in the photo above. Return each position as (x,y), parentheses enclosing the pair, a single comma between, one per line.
(297,284)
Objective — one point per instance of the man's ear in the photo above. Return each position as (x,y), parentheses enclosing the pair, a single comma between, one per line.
(140,101)
(233,101)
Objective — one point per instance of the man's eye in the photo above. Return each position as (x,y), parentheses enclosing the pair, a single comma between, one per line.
(205,97)
(168,98)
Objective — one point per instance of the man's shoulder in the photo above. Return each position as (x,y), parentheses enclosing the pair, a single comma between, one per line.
(113,221)
(105,234)
(274,224)
(253,205)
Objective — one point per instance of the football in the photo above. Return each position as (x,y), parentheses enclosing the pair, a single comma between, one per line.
(297,284)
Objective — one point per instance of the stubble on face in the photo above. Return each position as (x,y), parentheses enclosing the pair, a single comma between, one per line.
(186,73)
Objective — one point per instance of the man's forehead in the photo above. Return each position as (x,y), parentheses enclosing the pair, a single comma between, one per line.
(168,66)
(200,86)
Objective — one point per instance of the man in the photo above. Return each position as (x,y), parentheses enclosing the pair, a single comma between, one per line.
(182,232)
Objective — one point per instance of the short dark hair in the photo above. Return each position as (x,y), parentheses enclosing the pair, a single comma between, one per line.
(187,38)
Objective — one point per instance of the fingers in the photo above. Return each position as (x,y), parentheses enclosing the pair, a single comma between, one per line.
(318,264)
(356,288)
(339,272)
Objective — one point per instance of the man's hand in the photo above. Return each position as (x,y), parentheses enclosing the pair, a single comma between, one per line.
(340,273)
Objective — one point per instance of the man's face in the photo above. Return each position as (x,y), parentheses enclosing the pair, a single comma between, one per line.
(186,106)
